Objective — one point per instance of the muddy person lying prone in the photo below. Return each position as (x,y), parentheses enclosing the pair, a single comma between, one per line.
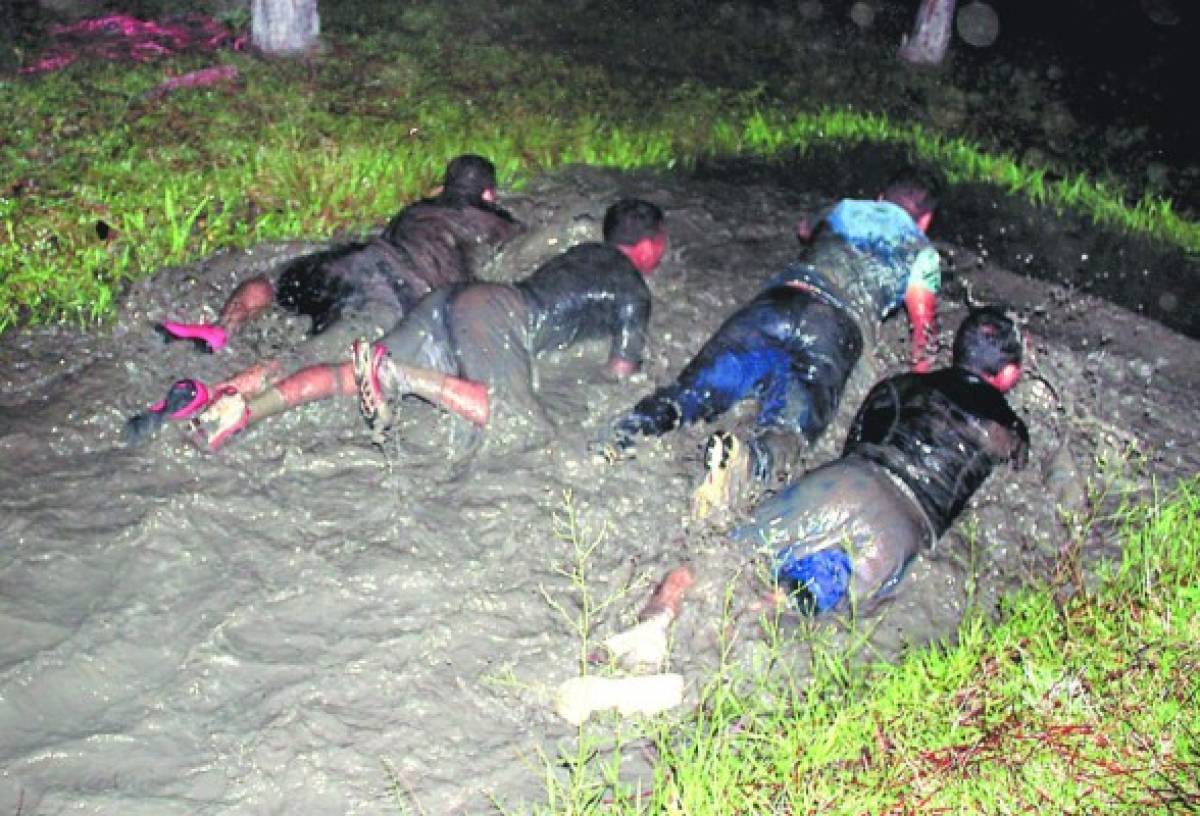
(793,347)
(472,348)
(355,287)
(844,534)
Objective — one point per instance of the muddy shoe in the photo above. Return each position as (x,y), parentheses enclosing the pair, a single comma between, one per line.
(185,399)
(726,476)
(370,368)
(206,337)
(225,417)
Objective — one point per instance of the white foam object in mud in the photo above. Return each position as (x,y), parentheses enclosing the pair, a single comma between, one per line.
(642,645)
(580,697)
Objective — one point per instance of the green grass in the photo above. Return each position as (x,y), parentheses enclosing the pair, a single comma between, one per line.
(1088,705)
(311,151)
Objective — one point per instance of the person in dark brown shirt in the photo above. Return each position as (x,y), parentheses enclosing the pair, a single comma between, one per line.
(431,243)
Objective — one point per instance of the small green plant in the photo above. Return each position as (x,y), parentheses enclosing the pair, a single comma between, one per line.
(1082,705)
(593,767)
(401,793)
(588,609)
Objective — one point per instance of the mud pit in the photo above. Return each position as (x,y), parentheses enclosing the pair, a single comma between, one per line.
(283,626)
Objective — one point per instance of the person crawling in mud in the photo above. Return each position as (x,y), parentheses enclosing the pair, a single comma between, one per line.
(427,245)
(793,347)
(918,449)
(471,347)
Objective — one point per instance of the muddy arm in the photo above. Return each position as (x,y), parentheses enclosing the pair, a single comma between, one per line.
(629,336)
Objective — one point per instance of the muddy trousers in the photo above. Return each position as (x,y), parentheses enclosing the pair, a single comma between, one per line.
(851,505)
(797,377)
(326,285)
(479,332)
(310,379)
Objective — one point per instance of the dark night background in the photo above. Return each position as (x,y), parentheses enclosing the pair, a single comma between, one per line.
(1118,67)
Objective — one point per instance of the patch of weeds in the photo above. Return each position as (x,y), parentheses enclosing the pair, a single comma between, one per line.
(586,775)
(401,792)
(587,609)
(1077,707)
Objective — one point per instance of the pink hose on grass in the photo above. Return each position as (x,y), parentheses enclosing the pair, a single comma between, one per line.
(120,36)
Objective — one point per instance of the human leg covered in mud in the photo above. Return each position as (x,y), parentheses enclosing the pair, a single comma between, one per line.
(790,351)
(368,375)
(250,382)
(464,349)
(864,529)
(424,365)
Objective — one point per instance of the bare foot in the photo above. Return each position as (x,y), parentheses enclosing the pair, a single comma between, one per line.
(668,595)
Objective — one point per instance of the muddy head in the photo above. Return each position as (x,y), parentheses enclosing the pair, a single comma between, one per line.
(636,228)
(988,342)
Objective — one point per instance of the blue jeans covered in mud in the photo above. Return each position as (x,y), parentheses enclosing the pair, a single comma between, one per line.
(862,524)
(790,348)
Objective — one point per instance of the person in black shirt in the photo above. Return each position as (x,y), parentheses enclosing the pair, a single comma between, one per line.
(918,449)
(471,348)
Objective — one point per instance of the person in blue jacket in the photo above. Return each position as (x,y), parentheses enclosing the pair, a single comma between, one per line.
(793,347)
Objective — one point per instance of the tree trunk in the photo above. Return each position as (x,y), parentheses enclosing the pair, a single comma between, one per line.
(931,33)
(284,26)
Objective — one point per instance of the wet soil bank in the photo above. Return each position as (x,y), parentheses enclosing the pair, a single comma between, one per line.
(1145,276)
(304,623)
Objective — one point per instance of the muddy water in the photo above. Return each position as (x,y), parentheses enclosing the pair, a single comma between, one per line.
(305,623)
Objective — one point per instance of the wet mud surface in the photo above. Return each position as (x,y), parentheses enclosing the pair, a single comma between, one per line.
(1148,277)
(306,623)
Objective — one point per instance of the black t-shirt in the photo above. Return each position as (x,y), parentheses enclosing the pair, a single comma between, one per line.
(941,433)
(592,290)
